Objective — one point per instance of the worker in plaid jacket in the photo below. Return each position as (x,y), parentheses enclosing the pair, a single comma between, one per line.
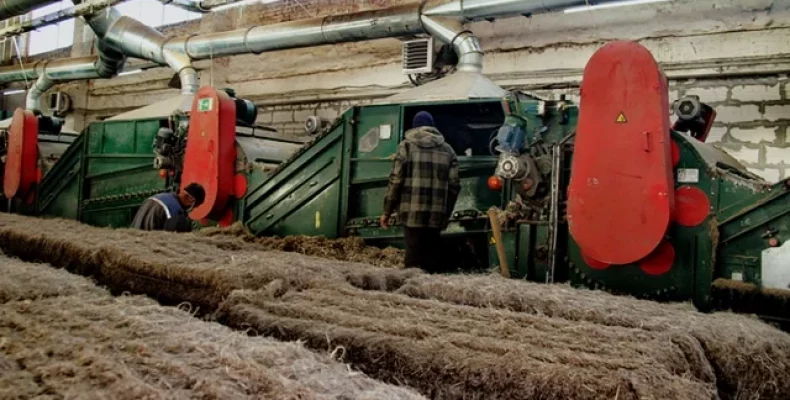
(423,187)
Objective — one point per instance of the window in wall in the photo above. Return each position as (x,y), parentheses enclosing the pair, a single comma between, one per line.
(153,13)
(51,37)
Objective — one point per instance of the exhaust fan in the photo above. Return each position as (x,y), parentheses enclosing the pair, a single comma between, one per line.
(59,103)
(418,56)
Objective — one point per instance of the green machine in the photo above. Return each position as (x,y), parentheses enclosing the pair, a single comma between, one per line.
(116,164)
(50,140)
(335,187)
(619,200)
(641,207)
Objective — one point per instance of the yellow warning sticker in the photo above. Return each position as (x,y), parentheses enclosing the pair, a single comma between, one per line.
(493,241)
(621,118)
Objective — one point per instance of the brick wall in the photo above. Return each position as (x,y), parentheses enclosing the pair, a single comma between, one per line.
(289,120)
(752,120)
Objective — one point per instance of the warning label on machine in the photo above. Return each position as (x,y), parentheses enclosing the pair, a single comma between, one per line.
(688,175)
(621,118)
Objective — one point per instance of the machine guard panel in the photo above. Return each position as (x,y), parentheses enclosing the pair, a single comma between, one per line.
(621,190)
(21,168)
(210,157)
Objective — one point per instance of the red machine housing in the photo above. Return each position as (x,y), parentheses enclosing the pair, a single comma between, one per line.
(21,167)
(621,196)
(210,157)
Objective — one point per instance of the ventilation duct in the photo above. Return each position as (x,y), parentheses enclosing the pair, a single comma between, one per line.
(439,18)
(125,36)
(475,10)
(118,36)
(189,5)
(47,73)
(13,8)
(135,39)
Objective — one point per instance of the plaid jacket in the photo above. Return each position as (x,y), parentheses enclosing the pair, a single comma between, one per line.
(424,182)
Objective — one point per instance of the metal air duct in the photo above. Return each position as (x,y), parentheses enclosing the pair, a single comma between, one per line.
(47,73)
(473,10)
(389,22)
(189,5)
(365,25)
(133,38)
(440,18)
(12,8)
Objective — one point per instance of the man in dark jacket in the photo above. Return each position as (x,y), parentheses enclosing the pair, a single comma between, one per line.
(423,187)
(168,211)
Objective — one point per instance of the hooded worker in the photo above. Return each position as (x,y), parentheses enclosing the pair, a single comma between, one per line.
(423,188)
(168,211)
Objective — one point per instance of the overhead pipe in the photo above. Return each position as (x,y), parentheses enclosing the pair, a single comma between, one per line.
(401,20)
(365,25)
(83,8)
(51,72)
(189,5)
(135,39)
(465,43)
(439,18)
(118,36)
(13,8)
(475,10)
(47,73)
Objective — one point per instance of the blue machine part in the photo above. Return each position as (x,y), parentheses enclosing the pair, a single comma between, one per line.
(512,135)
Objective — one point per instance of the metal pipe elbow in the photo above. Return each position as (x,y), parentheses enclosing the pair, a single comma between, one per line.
(465,43)
(33,98)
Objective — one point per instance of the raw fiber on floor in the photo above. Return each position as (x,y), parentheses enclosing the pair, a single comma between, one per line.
(475,337)
(88,344)
(345,249)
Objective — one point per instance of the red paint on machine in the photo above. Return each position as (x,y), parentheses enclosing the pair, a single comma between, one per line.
(692,206)
(21,167)
(621,195)
(660,261)
(210,157)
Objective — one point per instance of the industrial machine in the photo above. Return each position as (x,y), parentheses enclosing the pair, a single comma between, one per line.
(639,207)
(336,186)
(613,197)
(116,164)
(30,144)
(608,195)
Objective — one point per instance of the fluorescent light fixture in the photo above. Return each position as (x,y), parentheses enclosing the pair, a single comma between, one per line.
(130,72)
(13,91)
(242,3)
(612,4)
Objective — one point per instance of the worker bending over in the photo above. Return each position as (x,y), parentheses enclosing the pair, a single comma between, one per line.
(423,187)
(168,211)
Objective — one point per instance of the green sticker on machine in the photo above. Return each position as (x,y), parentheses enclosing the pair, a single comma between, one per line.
(205,104)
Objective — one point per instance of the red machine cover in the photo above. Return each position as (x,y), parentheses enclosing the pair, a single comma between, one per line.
(210,157)
(21,166)
(621,190)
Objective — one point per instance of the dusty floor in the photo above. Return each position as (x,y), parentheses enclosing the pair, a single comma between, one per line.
(472,337)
